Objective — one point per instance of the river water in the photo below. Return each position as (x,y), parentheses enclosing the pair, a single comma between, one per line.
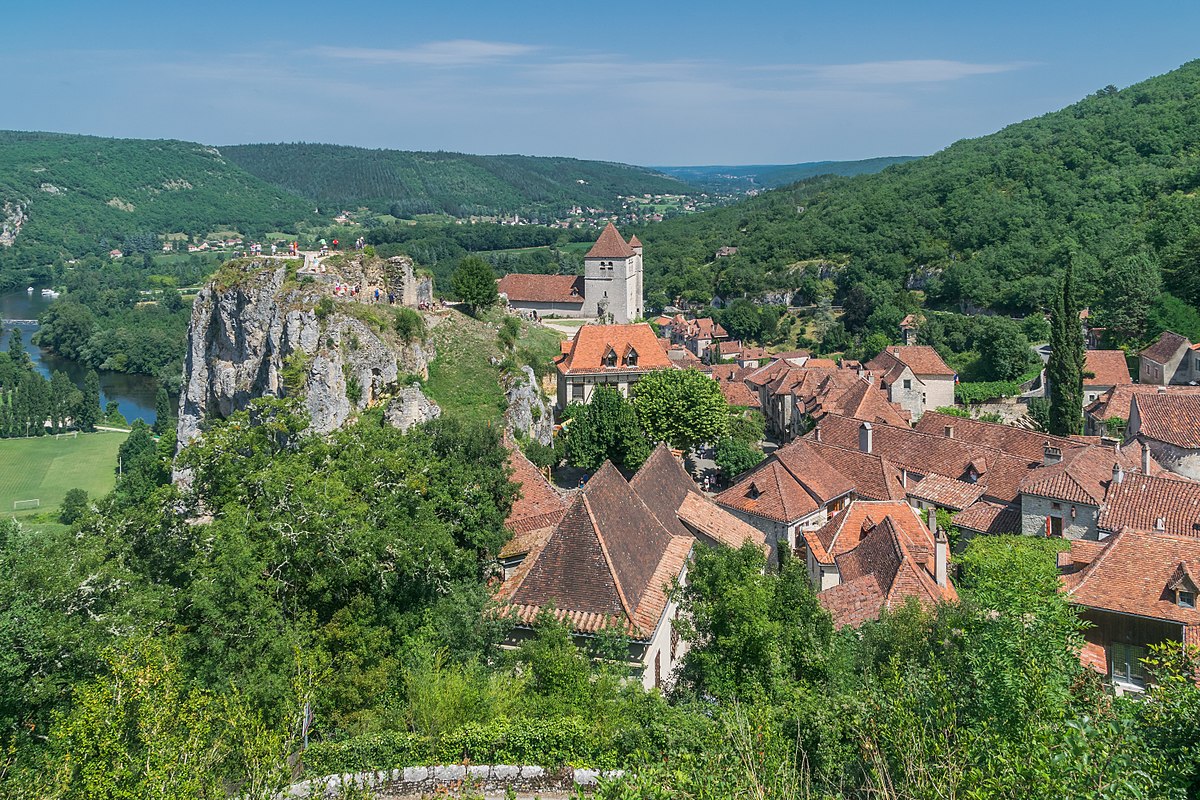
(133,394)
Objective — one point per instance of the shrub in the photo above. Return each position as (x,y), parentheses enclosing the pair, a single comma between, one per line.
(409,324)
(323,308)
(387,750)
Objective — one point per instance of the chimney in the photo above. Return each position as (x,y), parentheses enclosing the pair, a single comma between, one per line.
(1118,473)
(1145,458)
(949,431)
(866,435)
(1050,455)
(903,478)
(817,433)
(941,550)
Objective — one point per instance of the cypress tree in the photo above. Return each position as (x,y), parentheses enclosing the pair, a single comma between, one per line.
(1064,371)
(163,418)
(88,412)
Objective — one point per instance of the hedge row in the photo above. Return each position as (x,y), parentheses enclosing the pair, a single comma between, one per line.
(981,391)
(546,743)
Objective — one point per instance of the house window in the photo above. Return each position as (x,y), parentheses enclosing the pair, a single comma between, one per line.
(1055,527)
(577,391)
(610,358)
(1186,599)
(907,383)
(1127,664)
(631,358)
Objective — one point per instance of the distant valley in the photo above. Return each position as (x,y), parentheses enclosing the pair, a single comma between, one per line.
(749,177)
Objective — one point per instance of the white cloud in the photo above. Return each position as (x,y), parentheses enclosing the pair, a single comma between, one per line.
(451,53)
(910,71)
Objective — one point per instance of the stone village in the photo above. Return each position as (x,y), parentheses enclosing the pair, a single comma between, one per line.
(863,465)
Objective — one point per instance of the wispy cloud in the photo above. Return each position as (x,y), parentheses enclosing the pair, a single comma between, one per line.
(451,53)
(909,71)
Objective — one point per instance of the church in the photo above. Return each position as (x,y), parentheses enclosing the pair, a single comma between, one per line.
(609,290)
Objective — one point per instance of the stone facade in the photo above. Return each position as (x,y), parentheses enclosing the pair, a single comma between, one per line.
(1042,514)
(1180,460)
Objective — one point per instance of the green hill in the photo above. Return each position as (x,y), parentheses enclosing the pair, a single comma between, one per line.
(405,183)
(742,178)
(85,194)
(986,222)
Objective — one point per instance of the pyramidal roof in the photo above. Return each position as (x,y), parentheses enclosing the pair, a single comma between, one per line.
(634,241)
(610,245)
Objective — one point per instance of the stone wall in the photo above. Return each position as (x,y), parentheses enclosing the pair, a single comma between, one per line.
(1179,460)
(441,780)
(1034,511)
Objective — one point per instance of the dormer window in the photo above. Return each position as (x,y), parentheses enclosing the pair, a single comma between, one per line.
(753,493)
(1185,599)
(610,357)
(631,357)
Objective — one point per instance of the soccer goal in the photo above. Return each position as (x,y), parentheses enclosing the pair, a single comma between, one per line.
(67,435)
(21,505)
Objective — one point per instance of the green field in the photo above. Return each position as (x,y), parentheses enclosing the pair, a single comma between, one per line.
(47,468)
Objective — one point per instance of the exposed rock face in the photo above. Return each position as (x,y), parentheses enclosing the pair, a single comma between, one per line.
(12,219)
(260,338)
(527,410)
(410,407)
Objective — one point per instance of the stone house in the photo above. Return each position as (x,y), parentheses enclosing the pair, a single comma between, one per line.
(915,377)
(1103,370)
(876,556)
(607,355)
(1169,424)
(1171,360)
(1108,414)
(547,295)
(611,559)
(1136,589)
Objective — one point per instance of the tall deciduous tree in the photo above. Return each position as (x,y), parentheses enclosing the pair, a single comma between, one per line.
(1131,288)
(474,282)
(87,412)
(1064,371)
(607,429)
(164,419)
(681,407)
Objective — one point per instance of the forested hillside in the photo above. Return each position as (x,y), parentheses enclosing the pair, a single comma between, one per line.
(67,195)
(744,177)
(987,222)
(404,183)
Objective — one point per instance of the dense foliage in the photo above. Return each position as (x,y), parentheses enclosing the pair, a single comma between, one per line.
(405,183)
(86,195)
(30,405)
(978,224)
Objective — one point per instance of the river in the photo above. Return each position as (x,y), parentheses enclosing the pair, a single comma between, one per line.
(133,394)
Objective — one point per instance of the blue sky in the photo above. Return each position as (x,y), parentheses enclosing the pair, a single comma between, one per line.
(648,82)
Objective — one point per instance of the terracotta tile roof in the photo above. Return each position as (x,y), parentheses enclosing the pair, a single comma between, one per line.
(753,354)
(717,524)
(1015,441)
(1081,553)
(634,241)
(1167,346)
(883,571)
(610,245)
(604,561)
(926,454)
(1116,401)
(1083,476)
(1140,501)
(920,358)
(946,492)
(988,517)
(739,394)
(769,491)
(1133,575)
(1170,418)
(862,400)
(662,484)
(804,462)
(585,352)
(521,288)
(1107,368)
(875,478)
(537,509)
(844,530)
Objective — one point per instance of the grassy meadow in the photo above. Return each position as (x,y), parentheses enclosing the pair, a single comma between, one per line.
(47,468)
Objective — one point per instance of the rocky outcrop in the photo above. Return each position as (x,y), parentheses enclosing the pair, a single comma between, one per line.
(410,407)
(527,412)
(255,334)
(12,219)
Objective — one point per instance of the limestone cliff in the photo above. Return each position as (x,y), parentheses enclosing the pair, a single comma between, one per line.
(257,331)
(527,412)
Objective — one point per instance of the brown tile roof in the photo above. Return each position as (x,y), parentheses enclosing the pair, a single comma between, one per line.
(1107,368)
(634,241)
(585,352)
(522,288)
(739,394)
(604,561)
(875,478)
(662,484)
(1133,573)
(1167,346)
(988,517)
(1015,441)
(1170,418)
(843,531)
(717,524)
(1140,501)
(537,509)
(804,461)
(925,454)
(770,491)
(1083,475)
(920,358)
(946,492)
(862,399)
(1116,401)
(610,245)
(820,363)
(883,571)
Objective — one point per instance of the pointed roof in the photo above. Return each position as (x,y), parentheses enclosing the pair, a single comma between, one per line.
(634,241)
(610,245)
(536,509)
(663,485)
(1165,348)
